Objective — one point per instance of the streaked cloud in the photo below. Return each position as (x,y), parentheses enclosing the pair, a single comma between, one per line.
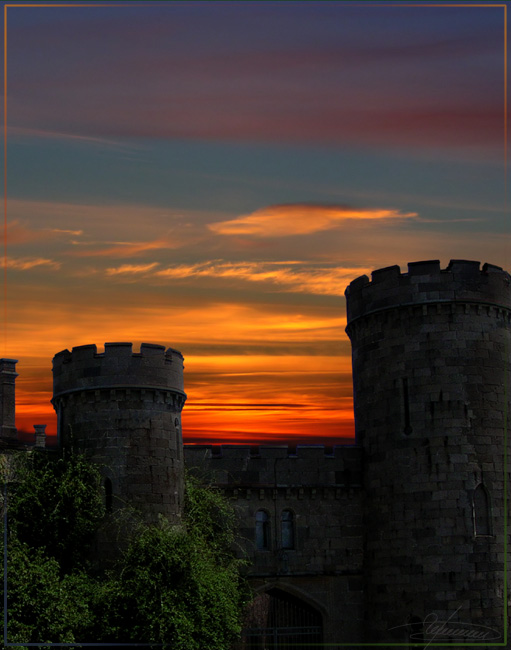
(301,219)
(343,84)
(26,263)
(131,269)
(58,135)
(76,233)
(128,249)
(293,276)
(20,233)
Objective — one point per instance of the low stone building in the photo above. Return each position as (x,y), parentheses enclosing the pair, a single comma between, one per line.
(400,538)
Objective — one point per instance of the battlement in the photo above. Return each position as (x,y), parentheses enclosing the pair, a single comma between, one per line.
(266,465)
(240,452)
(426,282)
(118,366)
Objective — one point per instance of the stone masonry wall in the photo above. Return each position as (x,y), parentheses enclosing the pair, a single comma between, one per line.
(324,494)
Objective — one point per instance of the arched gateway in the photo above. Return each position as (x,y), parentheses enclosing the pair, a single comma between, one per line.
(277,620)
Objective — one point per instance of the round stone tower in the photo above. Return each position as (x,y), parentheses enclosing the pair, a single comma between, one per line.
(123,409)
(431,370)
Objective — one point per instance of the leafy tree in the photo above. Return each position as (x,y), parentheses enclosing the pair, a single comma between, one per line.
(56,506)
(176,586)
(43,605)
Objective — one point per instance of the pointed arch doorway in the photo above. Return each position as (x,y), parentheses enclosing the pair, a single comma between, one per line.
(277,620)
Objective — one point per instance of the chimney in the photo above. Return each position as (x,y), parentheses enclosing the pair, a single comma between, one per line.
(40,435)
(8,376)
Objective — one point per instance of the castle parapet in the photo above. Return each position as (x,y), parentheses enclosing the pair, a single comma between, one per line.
(426,282)
(117,367)
(277,466)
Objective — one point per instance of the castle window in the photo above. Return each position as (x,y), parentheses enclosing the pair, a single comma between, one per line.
(108,495)
(262,530)
(481,509)
(287,530)
(407,430)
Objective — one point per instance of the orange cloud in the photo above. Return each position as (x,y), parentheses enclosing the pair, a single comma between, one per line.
(128,249)
(131,269)
(308,279)
(25,263)
(18,233)
(301,219)
(67,232)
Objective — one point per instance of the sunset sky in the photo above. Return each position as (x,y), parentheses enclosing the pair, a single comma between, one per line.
(210,177)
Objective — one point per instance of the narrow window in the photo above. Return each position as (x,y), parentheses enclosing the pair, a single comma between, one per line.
(481,511)
(406,407)
(288,536)
(262,530)
(108,495)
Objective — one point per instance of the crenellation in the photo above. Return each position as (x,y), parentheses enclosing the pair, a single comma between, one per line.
(388,276)
(425,282)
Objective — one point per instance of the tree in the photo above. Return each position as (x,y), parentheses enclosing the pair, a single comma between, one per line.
(180,587)
(43,605)
(175,586)
(55,504)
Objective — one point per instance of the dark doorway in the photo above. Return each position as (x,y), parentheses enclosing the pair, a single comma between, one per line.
(276,620)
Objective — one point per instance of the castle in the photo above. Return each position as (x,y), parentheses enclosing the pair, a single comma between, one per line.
(400,538)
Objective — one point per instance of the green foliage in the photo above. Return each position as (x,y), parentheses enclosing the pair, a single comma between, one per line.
(171,590)
(180,586)
(43,606)
(210,517)
(175,586)
(56,506)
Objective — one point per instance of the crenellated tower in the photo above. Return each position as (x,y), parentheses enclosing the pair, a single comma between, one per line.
(123,409)
(431,372)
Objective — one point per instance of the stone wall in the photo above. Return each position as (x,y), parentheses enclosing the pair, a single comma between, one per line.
(323,493)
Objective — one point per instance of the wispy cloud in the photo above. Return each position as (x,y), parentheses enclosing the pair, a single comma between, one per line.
(301,219)
(366,92)
(26,263)
(19,233)
(77,233)
(59,135)
(292,276)
(131,269)
(128,249)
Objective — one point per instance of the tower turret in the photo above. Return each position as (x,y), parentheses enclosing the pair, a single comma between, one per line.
(123,409)
(431,352)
